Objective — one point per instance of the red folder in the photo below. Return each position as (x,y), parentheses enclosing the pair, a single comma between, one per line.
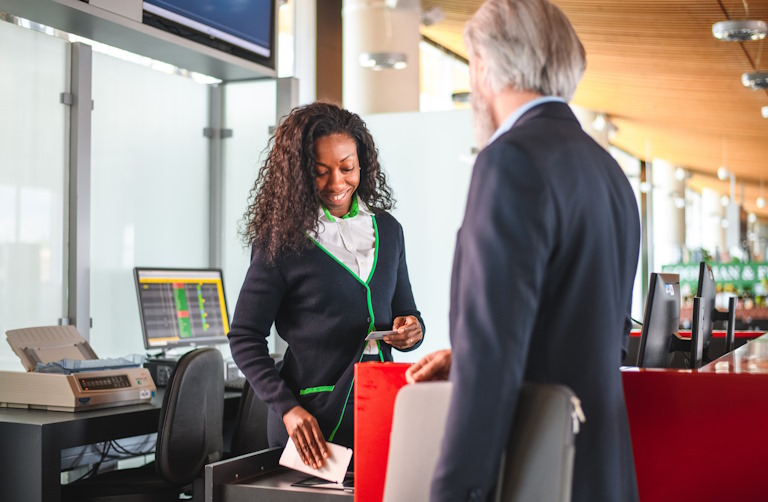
(376,386)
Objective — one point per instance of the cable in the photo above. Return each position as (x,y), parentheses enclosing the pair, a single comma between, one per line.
(125,451)
(95,466)
(635,321)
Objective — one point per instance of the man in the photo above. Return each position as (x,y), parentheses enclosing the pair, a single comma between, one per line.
(544,263)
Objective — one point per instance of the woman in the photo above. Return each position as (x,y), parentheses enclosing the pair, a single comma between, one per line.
(327,267)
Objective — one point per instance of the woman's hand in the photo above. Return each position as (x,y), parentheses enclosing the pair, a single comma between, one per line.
(408,332)
(434,366)
(306,435)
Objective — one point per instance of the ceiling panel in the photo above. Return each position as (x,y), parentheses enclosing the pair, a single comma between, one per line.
(671,88)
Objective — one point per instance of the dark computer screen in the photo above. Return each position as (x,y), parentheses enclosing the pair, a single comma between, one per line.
(244,28)
(707,291)
(703,315)
(661,320)
(181,307)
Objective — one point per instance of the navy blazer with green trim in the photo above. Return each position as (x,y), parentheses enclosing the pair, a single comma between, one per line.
(320,309)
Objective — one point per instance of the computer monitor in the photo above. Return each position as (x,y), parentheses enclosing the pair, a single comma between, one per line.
(704,316)
(660,322)
(181,307)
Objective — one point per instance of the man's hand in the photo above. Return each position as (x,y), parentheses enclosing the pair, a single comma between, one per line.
(306,435)
(434,366)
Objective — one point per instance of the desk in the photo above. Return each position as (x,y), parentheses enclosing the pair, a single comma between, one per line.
(750,358)
(31,441)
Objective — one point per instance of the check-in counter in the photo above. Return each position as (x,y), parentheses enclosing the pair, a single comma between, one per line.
(696,434)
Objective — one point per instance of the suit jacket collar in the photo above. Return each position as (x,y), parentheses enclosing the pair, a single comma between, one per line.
(552,110)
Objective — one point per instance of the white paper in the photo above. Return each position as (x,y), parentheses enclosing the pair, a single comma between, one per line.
(334,467)
(378,335)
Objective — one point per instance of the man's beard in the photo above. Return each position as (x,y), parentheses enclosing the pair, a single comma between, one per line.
(482,120)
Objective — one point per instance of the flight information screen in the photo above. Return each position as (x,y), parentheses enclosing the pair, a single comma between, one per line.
(181,307)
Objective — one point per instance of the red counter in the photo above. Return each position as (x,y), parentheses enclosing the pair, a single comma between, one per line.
(695,435)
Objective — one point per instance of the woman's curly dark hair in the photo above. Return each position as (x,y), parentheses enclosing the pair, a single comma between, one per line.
(284,200)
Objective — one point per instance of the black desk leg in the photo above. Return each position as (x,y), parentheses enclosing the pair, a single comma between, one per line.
(30,464)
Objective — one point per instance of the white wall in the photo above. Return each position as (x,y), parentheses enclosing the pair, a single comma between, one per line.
(427,158)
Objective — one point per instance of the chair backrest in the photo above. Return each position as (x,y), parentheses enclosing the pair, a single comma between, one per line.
(250,432)
(189,434)
(418,425)
(538,463)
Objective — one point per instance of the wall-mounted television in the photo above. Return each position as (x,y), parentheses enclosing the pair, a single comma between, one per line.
(242,28)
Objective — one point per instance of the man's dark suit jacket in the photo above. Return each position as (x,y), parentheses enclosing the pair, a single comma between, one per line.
(541,291)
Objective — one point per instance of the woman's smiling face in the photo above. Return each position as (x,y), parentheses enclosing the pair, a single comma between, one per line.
(337,172)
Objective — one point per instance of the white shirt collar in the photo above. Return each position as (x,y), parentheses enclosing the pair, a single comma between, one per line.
(515,116)
(362,208)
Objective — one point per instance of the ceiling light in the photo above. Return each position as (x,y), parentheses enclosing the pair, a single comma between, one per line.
(760,202)
(741,30)
(756,80)
(722,173)
(751,217)
(600,122)
(725,200)
(764,111)
(383,60)
(460,97)
(432,16)
(679,174)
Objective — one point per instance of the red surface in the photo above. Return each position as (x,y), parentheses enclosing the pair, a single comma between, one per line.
(695,436)
(698,436)
(715,334)
(376,386)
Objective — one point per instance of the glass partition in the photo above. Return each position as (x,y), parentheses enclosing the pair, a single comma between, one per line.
(33,163)
(250,112)
(149,189)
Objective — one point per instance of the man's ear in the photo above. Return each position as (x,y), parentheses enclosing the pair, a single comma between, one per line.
(482,75)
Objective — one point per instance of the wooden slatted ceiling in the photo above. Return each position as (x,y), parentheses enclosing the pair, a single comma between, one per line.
(670,87)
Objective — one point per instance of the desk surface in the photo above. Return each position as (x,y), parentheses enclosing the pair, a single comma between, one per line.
(749,358)
(31,441)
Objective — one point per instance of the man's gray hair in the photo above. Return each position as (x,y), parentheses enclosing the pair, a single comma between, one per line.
(527,44)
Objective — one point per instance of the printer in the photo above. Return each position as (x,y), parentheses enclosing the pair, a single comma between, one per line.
(78,390)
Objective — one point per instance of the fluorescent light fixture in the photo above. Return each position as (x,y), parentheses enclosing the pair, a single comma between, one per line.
(755,80)
(383,60)
(740,30)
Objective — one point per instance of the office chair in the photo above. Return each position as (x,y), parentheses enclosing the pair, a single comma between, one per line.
(250,431)
(189,435)
(538,461)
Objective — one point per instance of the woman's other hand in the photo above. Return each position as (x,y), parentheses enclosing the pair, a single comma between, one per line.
(408,332)
(434,366)
(306,435)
